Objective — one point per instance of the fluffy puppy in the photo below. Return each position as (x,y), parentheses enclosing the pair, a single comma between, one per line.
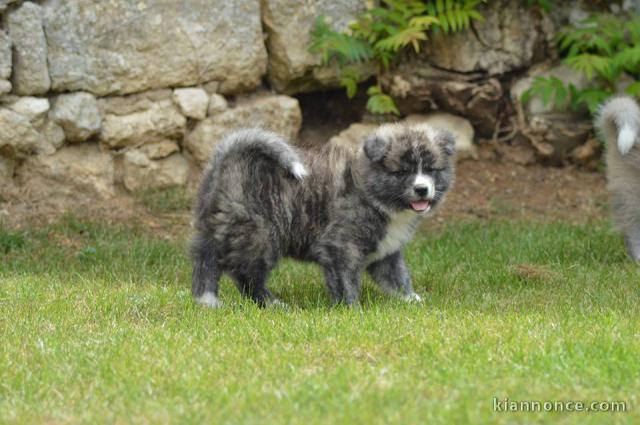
(619,124)
(345,209)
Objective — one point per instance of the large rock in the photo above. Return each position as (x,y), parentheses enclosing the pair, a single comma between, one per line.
(139,102)
(129,46)
(280,114)
(418,87)
(7,168)
(535,106)
(53,134)
(5,86)
(18,137)
(354,135)
(78,115)
(553,130)
(33,108)
(30,70)
(159,121)
(192,102)
(5,62)
(217,104)
(289,23)
(506,40)
(140,172)
(159,150)
(73,171)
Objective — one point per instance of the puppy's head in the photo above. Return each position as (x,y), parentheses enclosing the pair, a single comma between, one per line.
(408,167)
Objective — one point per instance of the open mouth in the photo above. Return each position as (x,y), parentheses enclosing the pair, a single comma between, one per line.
(421,206)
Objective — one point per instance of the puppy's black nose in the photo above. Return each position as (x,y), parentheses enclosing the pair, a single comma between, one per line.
(421,190)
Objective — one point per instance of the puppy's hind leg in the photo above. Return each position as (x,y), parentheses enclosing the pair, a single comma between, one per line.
(252,282)
(205,275)
(392,275)
(627,216)
(632,241)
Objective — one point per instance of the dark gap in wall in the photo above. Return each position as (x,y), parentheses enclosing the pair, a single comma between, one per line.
(327,113)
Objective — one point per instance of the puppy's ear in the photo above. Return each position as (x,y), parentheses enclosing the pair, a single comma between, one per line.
(447,142)
(376,147)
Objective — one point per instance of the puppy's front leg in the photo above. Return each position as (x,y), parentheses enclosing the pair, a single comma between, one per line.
(392,275)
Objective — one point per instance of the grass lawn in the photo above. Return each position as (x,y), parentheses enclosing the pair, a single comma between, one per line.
(97,326)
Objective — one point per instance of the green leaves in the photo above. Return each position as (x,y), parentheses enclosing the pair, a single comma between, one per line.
(408,36)
(591,65)
(548,89)
(349,80)
(380,103)
(454,15)
(628,59)
(601,48)
(591,98)
(380,34)
(633,89)
(344,48)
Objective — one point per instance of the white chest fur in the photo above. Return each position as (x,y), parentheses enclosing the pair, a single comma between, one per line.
(399,231)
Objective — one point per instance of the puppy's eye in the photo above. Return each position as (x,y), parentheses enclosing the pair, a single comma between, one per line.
(400,172)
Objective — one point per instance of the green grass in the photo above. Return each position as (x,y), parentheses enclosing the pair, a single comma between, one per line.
(97,326)
(161,201)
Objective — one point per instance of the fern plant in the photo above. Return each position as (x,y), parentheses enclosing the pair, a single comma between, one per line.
(380,34)
(601,48)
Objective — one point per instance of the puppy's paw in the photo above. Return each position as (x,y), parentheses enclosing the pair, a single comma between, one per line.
(299,171)
(413,298)
(276,303)
(209,299)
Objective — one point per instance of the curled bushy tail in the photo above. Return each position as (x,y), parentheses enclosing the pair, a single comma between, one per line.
(619,123)
(264,142)
(251,140)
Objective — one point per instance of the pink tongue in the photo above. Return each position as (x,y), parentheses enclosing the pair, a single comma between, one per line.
(419,205)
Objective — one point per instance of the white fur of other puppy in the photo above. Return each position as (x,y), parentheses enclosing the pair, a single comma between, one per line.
(618,122)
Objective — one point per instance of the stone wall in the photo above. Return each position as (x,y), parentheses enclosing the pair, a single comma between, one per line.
(100,97)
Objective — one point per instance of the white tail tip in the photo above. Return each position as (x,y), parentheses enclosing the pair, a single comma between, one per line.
(299,171)
(626,139)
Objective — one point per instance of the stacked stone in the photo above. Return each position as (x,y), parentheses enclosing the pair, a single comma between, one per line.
(100,95)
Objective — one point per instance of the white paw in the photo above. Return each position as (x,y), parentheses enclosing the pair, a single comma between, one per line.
(277,303)
(626,139)
(209,299)
(299,171)
(413,298)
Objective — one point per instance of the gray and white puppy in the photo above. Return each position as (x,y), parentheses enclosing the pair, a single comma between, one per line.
(345,209)
(619,124)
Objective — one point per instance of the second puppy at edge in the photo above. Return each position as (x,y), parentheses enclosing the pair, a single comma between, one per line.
(345,209)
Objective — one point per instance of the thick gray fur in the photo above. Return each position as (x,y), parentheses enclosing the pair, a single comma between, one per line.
(619,125)
(348,210)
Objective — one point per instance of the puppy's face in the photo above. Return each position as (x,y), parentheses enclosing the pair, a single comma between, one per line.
(410,167)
